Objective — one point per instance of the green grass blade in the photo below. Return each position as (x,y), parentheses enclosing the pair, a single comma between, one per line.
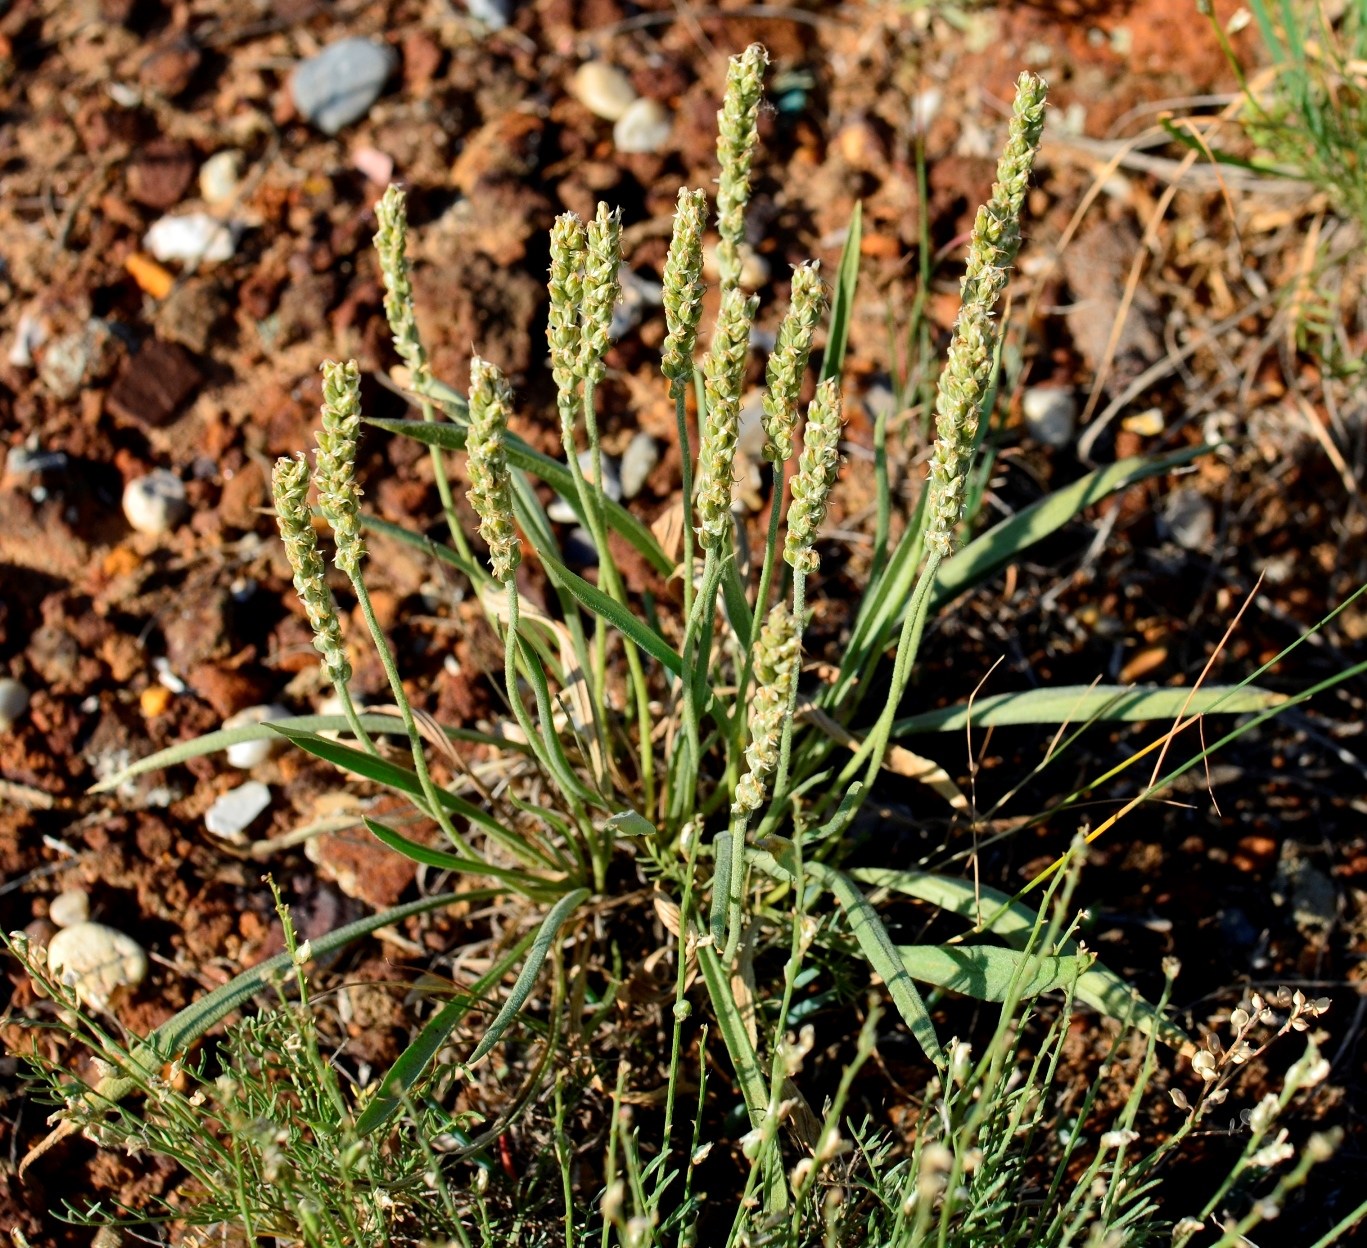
(213,742)
(1004,542)
(737,606)
(1089,704)
(529,885)
(1013,921)
(598,603)
(988,972)
(403,1076)
(882,955)
(526,980)
(842,298)
(555,474)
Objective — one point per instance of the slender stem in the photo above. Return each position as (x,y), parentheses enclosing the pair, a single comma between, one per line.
(694,670)
(686,452)
(429,788)
(740,824)
(352,718)
(785,752)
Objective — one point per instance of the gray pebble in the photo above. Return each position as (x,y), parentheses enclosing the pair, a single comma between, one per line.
(155,503)
(1189,518)
(495,14)
(638,462)
(1050,415)
(236,810)
(339,84)
(13,703)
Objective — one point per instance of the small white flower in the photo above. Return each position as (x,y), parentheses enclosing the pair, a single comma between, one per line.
(1204,1065)
(1118,1139)
(1275,1153)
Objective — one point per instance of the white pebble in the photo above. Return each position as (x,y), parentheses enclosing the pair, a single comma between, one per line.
(339,84)
(560,510)
(1050,414)
(638,462)
(69,908)
(155,503)
(29,335)
(603,89)
(220,176)
(13,703)
(95,961)
(247,754)
(193,237)
(644,127)
(236,810)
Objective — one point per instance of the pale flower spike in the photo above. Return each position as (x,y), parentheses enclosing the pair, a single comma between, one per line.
(683,290)
(490,486)
(788,362)
(817,469)
(723,372)
(967,372)
(737,133)
(290,488)
(338,494)
(391,245)
(776,667)
(602,288)
(566,287)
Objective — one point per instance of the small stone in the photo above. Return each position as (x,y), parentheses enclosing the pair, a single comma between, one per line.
(644,127)
(192,237)
(13,703)
(339,85)
(236,810)
(754,268)
(494,14)
(155,384)
(95,961)
(69,908)
(248,754)
(1189,518)
(161,173)
(377,166)
(1050,415)
(560,510)
(638,462)
(603,89)
(64,364)
(220,176)
(29,335)
(155,503)
(1145,424)
(171,67)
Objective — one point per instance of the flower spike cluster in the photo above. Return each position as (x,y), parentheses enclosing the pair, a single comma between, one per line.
(490,487)
(338,494)
(788,362)
(817,469)
(290,489)
(391,245)
(566,288)
(776,667)
(683,290)
(602,288)
(737,133)
(723,373)
(967,372)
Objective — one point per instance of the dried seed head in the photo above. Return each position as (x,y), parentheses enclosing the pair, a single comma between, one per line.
(391,245)
(566,288)
(737,132)
(602,288)
(723,373)
(490,490)
(964,381)
(290,489)
(788,363)
(817,469)
(683,290)
(338,494)
(777,656)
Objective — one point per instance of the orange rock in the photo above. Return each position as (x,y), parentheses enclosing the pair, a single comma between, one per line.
(154,700)
(151,278)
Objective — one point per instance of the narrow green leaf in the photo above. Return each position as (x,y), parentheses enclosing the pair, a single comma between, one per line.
(529,885)
(986,972)
(1014,922)
(737,606)
(526,980)
(213,742)
(598,603)
(721,887)
(402,1077)
(1004,542)
(1079,704)
(842,299)
(876,945)
(555,474)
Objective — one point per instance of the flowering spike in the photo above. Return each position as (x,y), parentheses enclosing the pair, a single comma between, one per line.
(723,373)
(683,290)
(602,288)
(817,469)
(490,489)
(737,133)
(338,494)
(562,325)
(777,656)
(391,245)
(788,363)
